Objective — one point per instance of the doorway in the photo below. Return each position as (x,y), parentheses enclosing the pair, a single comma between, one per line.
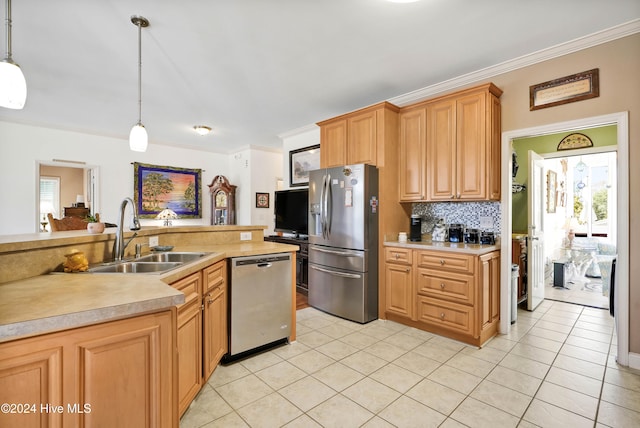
(621,120)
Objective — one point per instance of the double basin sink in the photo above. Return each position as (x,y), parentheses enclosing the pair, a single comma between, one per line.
(152,263)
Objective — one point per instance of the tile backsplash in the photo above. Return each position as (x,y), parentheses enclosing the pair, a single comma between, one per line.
(467,213)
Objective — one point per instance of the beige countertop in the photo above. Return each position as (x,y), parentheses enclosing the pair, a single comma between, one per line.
(60,301)
(475,249)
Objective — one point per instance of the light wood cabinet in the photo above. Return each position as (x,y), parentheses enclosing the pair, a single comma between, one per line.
(215,316)
(450,293)
(120,373)
(357,137)
(450,147)
(412,145)
(189,337)
(463,145)
(202,329)
(399,282)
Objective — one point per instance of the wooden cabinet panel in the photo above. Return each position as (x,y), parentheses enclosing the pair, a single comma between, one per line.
(191,286)
(189,354)
(457,262)
(334,144)
(30,372)
(398,255)
(495,150)
(441,150)
(399,280)
(412,143)
(471,153)
(361,138)
(445,285)
(215,343)
(489,290)
(446,315)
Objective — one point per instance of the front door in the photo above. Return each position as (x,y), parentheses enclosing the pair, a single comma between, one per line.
(535,216)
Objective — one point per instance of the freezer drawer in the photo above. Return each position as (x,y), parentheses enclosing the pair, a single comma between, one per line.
(340,258)
(344,293)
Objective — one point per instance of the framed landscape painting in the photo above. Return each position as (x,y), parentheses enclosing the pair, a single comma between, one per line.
(160,187)
(302,161)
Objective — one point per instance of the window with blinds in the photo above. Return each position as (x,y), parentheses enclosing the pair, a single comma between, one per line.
(49,197)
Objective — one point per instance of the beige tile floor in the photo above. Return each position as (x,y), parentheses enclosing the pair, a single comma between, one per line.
(555,368)
(586,292)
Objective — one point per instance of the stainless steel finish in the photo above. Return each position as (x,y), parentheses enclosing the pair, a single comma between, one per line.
(139,249)
(140,22)
(259,301)
(343,238)
(136,267)
(118,244)
(179,257)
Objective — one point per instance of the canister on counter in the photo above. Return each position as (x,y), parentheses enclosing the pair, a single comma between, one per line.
(415,233)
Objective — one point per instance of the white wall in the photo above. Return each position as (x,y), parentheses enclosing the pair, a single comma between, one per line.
(21,146)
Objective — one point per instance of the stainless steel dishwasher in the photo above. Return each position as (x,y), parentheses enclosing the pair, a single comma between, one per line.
(259,303)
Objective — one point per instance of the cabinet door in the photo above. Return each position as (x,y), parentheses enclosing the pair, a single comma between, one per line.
(399,293)
(489,288)
(441,150)
(125,370)
(333,144)
(189,354)
(495,144)
(31,372)
(215,316)
(412,155)
(472,154)
(362,138)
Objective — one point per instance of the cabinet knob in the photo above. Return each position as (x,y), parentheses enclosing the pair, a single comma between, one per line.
(442,285)
(442,316)
(407,269)
(442,262)
(453,196)
(210,301)
(396,255)
(458,196)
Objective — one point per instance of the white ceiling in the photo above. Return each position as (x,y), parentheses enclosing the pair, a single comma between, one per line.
(255,69)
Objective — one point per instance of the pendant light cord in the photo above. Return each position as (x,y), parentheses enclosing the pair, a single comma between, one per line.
(7,55)
(139,25)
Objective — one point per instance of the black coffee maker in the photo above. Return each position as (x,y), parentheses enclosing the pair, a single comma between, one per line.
(415,231)
(456,232)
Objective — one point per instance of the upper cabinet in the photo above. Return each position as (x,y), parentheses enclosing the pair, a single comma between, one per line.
(459,134)
(357,137)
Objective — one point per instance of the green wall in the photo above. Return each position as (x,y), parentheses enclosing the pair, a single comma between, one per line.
(602,136)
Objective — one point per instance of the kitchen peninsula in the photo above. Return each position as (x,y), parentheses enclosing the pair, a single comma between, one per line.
(111,341)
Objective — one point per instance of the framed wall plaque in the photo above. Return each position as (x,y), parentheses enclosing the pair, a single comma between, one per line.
(568,89)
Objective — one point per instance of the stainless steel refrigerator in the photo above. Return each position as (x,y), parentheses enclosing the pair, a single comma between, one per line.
(343,241)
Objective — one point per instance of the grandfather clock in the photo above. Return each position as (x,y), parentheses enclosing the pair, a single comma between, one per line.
(223,201)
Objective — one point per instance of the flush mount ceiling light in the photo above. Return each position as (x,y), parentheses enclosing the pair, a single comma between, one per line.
(201,129)
(13,86)
(138,138)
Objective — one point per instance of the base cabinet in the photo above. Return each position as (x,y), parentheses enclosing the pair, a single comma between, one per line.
(202,329)
(448,293)
(119,373)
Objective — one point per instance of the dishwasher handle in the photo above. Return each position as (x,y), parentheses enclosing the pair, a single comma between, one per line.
(264,265)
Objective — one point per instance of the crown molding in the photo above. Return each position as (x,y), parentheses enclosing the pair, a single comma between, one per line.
(598,38)
(298,131)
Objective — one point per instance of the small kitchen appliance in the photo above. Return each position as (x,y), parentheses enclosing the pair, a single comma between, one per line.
(487,238)
(415,233)
(456,232)
(439,233)
(472,236)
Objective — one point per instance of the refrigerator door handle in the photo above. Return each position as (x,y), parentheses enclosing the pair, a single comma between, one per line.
(329,206)
(336,273)
(323,208)
(338,253)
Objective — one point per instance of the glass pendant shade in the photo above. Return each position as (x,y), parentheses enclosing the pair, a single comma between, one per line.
(138,138)
(13,86)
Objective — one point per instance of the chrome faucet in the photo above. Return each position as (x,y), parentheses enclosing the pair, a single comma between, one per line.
(119,245)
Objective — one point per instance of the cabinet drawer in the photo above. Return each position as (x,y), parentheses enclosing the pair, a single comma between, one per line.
(191,287)
(215,276)
(447,315)
(446,285)
(446,261)
(398,255)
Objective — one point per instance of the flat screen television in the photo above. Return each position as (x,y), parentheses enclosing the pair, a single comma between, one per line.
(292,211)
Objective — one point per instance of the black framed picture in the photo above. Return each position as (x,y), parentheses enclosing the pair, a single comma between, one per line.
(262,200)
(302,161)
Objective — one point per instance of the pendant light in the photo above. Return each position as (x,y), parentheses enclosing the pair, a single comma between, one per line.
(13,86)
(138,138)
